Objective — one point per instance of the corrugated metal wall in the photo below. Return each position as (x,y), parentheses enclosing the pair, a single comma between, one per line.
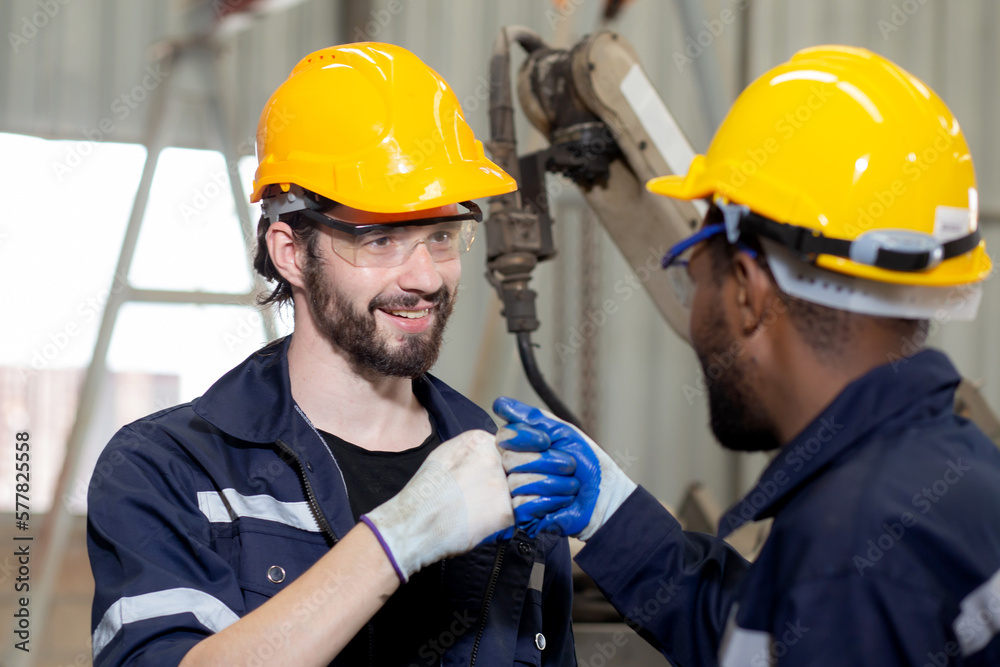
(61,79)
(67,61)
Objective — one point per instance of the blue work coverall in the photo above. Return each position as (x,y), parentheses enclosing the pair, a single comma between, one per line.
(885,546)
(192,509)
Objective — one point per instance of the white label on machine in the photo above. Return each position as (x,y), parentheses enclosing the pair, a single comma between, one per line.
(656,119)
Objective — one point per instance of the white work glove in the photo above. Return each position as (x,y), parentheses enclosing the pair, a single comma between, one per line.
(536,443)
(457,498)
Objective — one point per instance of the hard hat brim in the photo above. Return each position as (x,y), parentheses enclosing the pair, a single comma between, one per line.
(971,268)
(687,187)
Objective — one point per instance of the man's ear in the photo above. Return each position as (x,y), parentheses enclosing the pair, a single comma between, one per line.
(754,293)
(285,252)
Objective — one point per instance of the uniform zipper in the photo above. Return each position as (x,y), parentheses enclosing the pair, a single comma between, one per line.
(486,602)
(321,520)
(326,448)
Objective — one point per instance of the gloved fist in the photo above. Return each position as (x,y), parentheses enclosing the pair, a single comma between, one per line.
(539,473)
(540,478)
(457,497)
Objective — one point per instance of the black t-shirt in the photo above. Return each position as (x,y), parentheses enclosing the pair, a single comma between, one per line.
(374,477)
(413,619)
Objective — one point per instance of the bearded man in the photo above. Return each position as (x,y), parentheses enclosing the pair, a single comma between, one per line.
(300,511)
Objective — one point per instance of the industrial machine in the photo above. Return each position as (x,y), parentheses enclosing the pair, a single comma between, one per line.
(609,132)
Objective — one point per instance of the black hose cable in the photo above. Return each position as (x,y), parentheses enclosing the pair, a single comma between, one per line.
(538,383)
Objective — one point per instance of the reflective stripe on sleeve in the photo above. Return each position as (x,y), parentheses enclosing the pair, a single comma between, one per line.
(221,509)
(741,647)
(210,612)
(979,620)
(746,648)
(537,577)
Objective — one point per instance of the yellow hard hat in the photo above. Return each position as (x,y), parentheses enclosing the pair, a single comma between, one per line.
(369,125)
(862,164)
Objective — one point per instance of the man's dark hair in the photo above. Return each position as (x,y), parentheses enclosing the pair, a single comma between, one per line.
(303,233)
(828,331)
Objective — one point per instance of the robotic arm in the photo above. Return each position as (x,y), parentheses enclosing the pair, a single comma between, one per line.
(609,132)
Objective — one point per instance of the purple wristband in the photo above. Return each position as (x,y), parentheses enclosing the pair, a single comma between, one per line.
(385,547)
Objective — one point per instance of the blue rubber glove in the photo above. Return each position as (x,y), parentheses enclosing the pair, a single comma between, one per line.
(540,479)
(603,487)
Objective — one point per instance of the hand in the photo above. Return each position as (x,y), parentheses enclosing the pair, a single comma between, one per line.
(540,478)
(603,487)
(456,498)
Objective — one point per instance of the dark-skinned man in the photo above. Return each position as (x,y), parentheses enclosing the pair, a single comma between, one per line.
(843,220)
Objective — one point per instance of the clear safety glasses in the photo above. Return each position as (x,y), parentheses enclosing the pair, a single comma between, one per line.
(389,245)
(675,262)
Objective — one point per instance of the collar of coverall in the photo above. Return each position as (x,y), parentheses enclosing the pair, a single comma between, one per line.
(253,402)
(927,379)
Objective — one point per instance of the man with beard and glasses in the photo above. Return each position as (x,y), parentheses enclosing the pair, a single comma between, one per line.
(842,219)
(328,501)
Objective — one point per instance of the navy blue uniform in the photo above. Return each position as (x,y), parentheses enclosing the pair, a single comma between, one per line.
(204,511)
(885,547)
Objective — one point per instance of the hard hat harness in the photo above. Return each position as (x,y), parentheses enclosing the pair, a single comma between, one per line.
(311,205)
(358,230)
(799,277)
(894,250)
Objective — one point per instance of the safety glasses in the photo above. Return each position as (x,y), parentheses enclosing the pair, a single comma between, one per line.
(675,261)
(390,245)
